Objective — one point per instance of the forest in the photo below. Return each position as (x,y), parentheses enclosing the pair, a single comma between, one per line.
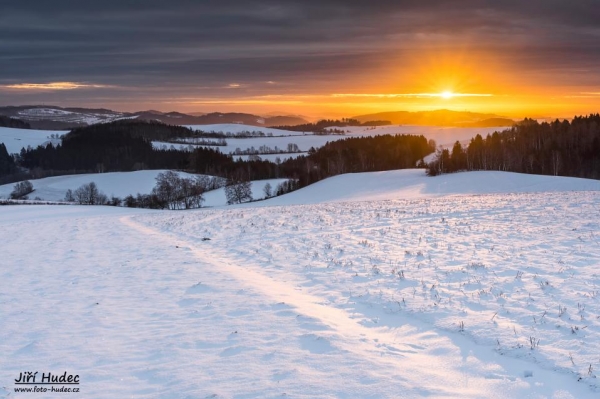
(559,148)
(359,154)
(126,146)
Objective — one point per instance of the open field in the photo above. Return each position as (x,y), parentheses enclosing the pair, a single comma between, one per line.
(433,287)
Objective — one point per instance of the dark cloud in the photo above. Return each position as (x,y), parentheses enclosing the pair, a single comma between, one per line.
(153,44)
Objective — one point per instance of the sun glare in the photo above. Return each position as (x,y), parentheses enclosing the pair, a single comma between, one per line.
(446,94)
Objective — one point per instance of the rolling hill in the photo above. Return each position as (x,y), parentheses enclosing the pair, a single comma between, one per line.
(58,118)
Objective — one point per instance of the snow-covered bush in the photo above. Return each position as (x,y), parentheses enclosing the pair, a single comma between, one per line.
(21,190)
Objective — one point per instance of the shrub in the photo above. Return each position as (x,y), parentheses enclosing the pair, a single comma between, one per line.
(21,190)
(115,201)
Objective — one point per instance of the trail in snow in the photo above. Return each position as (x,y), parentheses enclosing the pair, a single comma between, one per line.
(446,365)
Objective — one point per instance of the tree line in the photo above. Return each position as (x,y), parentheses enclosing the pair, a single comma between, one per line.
(6,121)
(245,134)
(559,148)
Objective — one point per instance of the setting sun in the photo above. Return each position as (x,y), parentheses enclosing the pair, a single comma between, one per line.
(447,94)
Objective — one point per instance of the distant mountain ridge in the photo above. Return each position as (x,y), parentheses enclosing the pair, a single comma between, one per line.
(48,117)
(57,118)
(442,117)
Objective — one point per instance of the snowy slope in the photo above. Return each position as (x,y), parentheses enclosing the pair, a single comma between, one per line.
(122,184)
(416,290)
(243,145)
(217,197)
(414,183)
(15,139)
(304,143)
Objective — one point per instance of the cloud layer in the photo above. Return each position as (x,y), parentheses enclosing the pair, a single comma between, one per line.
(228,49)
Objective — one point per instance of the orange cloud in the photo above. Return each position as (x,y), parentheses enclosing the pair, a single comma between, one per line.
(51,86)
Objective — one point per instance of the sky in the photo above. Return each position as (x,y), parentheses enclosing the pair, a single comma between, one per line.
(321,58)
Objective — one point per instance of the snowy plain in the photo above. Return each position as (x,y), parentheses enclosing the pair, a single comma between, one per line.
(443,136)
(471,285)
(241,128)
(304,143)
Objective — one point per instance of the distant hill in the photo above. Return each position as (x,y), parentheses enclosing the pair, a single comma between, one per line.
(58,118)
(441,117)
(49,117)
(215,118)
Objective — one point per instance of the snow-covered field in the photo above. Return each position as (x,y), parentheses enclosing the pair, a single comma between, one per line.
(15,139)
(472,285)
(122,184)
(444,136)
(161,145)
(281,142)
(413,183)
(239,128)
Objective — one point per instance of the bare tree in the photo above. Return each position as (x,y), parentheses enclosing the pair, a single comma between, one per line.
(175,192)
(268,190)
(69,197)
(166,189)
(88,194)
(238,191)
